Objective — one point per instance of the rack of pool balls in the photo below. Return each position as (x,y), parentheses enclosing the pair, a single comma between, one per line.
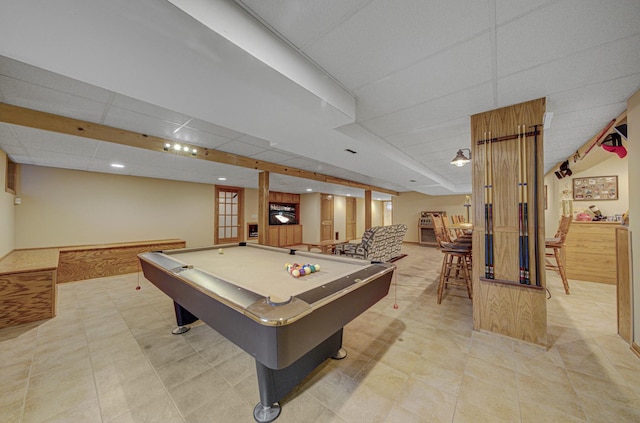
(296,270)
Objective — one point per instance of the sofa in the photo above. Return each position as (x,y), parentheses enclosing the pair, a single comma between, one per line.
(380,243)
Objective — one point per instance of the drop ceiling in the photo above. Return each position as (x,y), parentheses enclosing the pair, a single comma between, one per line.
(298,83)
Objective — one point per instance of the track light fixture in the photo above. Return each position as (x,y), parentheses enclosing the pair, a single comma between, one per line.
(180,148)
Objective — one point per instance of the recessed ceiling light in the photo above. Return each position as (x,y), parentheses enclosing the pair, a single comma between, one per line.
(309,189)
(348,195)
(118,165)
(222,179)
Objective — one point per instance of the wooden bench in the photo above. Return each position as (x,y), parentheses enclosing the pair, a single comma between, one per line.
(28,286)
(102,260)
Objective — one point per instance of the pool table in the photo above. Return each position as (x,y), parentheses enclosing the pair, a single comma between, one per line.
(289,325)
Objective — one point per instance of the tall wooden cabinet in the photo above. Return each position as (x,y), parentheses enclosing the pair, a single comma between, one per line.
(284,235)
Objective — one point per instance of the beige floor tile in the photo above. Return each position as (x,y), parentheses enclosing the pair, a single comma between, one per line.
(300,408)
(329,416)
(52,403)
(365,405)
(237,368)
(427,402)
(440,373)
(491,373)
(179,371)
(494,399)
(226,406)
(131,396)
(158,409)
(470,413)
(199,390)
(400,415)
(556,395)
(533,411)
(385,380)
(82,413)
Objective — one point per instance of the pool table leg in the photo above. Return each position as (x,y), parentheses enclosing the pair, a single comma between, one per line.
(275,384)
(183,318)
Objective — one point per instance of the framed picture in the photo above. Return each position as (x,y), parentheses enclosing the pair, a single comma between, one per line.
(595,188)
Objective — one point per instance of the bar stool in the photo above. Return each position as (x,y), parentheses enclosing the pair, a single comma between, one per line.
(456,262)
(553,251)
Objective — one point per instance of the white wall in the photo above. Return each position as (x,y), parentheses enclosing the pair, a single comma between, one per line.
(408,205)
(7,211)
(633,148)
(557,189)
(69,207)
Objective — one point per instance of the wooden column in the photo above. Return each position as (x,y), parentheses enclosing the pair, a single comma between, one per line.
(367,209)
(263,208)
(503,303)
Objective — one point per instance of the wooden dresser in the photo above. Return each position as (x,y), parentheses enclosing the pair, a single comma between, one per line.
(590,251)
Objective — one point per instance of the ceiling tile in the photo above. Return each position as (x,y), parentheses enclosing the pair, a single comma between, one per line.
(383,38)
(463,66)
(562,29)
(465,103)
(37,97)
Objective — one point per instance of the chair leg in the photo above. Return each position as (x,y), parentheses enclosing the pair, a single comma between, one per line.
(442,276)
(563,275)
(468,277)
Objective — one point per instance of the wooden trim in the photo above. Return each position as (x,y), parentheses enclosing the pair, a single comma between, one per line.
(11,177)
(635,348)
(64,125)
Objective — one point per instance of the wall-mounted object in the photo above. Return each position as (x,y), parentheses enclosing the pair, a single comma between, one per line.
(595,188)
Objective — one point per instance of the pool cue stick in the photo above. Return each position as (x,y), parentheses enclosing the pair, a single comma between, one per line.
(490,187)
(486,209)
(525,205)
(536,241)
(520,210)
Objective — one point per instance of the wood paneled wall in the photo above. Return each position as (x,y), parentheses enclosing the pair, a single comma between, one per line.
(503,305)
(99,261)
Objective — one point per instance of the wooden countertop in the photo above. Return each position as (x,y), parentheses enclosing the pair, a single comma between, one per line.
(19,261)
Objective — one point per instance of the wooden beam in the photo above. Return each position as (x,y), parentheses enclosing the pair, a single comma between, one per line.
(263,208)
(55,123)
(597,138)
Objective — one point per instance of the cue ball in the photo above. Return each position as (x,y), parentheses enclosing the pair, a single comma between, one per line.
(220,251)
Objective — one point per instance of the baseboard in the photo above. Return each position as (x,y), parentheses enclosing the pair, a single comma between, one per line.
(635,348)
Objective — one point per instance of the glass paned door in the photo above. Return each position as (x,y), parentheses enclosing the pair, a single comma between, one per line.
(228,215)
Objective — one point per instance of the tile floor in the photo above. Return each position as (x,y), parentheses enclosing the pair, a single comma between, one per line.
(109,357)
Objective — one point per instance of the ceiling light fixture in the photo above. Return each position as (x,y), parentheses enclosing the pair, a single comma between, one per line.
(460,159)
(117,165)
(179,148)
(222,178)
(309,189)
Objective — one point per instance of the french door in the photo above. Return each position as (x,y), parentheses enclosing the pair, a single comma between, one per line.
(229,215)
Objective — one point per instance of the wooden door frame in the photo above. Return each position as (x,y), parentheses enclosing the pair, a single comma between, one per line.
(240,191)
